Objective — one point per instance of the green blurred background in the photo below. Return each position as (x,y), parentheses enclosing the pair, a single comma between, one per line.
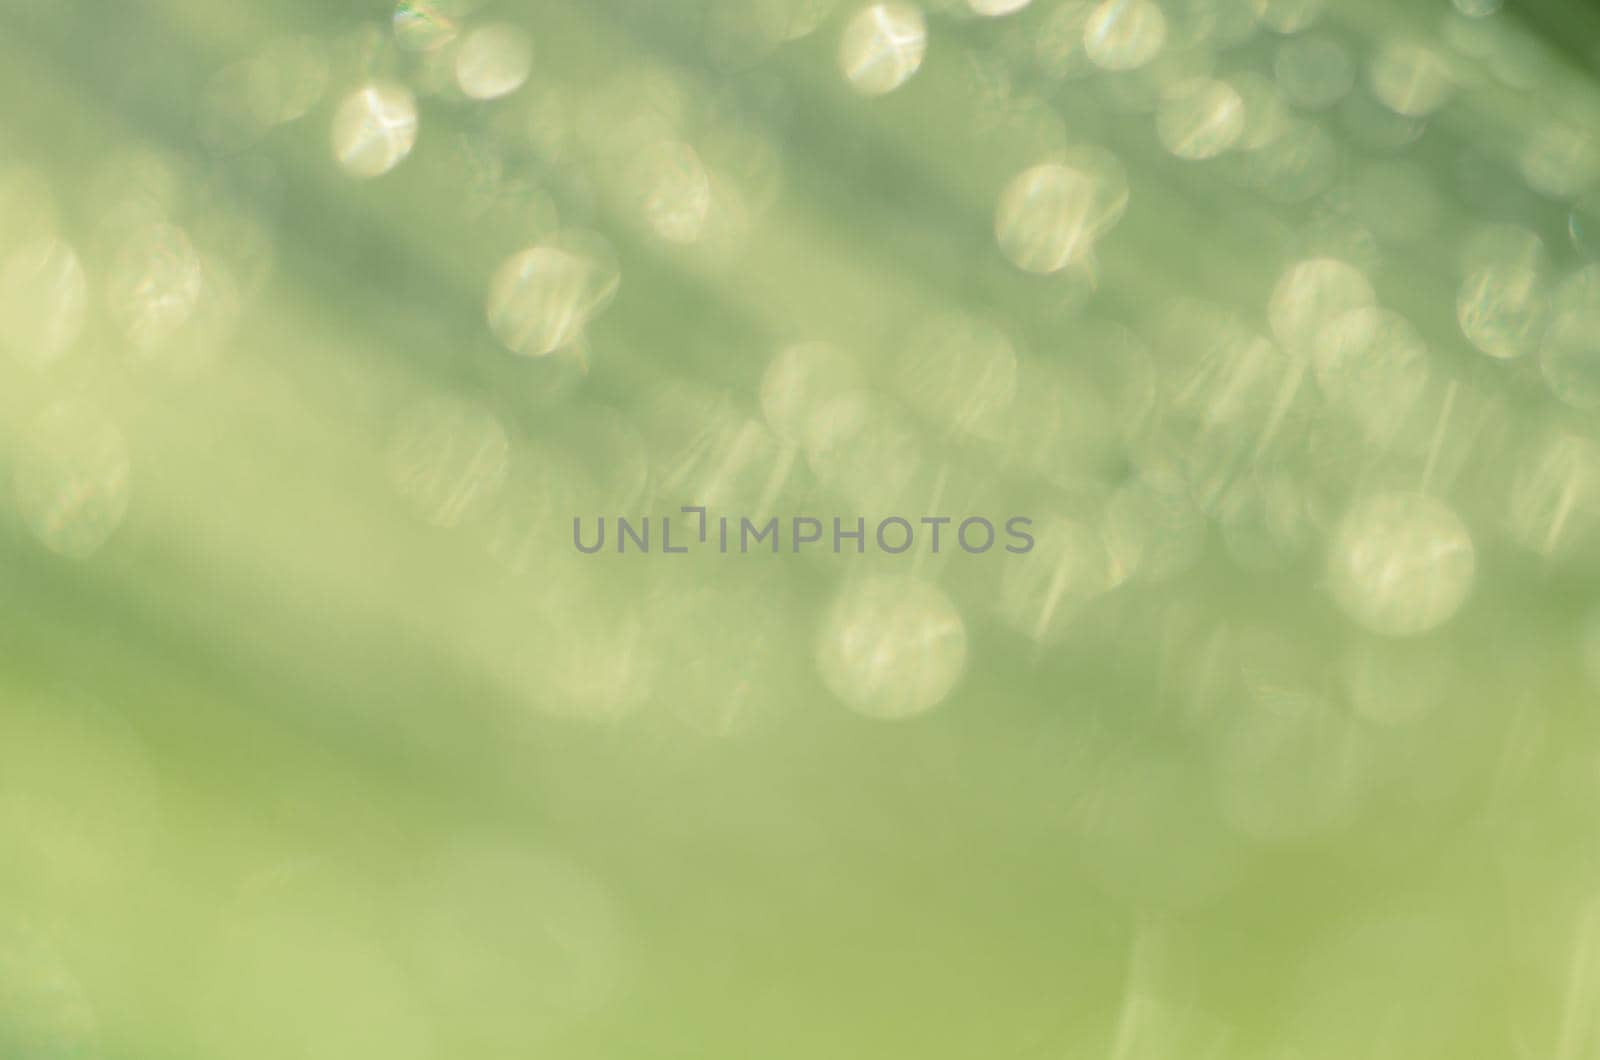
(322,321)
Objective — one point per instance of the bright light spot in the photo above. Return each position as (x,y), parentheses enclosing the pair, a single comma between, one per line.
(205,333)
(1311,296)
(1410,79)
(892,646)
(155,285)
(1266,114)
(541,299)
(423,25)
(1401,564)
(676,191)
(493,61)
(1124,34)
(1560,162)
(1200,118)
(374,129)
(1501,309)
(72,479)
(997,7)
(43,299)
(1049,216)
(882,47)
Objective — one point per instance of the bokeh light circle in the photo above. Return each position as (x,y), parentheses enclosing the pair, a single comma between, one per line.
(892,646)
(882,47)
(1401,564)
(542,298)
(374,129)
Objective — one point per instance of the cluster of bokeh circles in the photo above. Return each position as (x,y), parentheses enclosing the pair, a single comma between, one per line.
(1149,415)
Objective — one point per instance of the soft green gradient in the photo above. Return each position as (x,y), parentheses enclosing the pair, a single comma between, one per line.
(336,748)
